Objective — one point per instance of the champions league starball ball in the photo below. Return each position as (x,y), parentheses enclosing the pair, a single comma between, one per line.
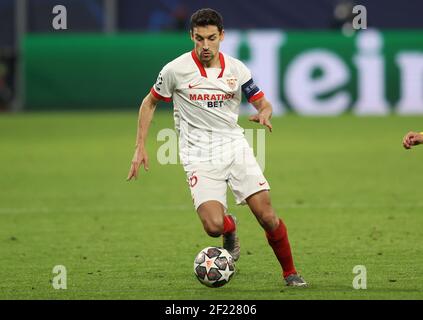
(214,267)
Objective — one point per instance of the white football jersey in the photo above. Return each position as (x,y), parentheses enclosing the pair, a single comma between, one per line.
(206,104)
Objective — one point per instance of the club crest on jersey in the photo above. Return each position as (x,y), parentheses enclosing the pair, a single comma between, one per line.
(231,83)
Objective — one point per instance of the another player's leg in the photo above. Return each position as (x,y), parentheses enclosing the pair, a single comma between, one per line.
(216,223)
(276,234)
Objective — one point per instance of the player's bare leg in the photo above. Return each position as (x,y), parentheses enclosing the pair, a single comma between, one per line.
(216,223)
(276,234)
(212,214)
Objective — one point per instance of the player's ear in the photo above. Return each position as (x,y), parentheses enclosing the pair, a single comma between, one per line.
(222,35)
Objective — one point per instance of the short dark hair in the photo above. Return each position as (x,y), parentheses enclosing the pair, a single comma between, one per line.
(206,17)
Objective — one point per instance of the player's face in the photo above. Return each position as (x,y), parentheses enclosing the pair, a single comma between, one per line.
(207,42)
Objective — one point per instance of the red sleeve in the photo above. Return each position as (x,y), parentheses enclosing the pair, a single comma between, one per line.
(158,96)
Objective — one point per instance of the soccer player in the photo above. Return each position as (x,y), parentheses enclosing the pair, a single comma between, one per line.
(412,139)
(206,87)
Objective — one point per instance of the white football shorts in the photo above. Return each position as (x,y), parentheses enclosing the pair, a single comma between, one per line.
(243,175)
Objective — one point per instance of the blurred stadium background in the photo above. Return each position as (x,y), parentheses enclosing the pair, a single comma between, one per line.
(348,192)
(304,54)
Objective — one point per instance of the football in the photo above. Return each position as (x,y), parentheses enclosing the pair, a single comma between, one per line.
(214,266)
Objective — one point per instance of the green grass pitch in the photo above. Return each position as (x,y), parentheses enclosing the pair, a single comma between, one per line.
(347,190)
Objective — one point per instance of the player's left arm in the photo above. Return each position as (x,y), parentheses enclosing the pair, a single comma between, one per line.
(264,114)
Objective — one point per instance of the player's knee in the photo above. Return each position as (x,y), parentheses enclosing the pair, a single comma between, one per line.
(214,231)
(269,220)
(214,228)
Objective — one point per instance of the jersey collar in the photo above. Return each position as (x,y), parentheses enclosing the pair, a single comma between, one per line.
(201,67)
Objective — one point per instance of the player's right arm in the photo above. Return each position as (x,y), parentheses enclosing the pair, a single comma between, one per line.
(412,139)
(162,90)
(145,116)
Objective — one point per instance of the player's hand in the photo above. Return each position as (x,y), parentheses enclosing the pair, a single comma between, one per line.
(140,158)
(412,139)
(263,118)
